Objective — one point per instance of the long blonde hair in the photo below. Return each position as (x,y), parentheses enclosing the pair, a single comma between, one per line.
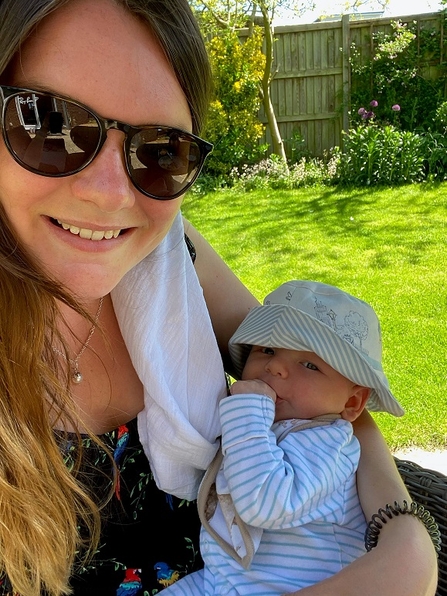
(42,503)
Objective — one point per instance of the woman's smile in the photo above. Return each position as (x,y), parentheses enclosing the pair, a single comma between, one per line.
(87,234)
(86,237)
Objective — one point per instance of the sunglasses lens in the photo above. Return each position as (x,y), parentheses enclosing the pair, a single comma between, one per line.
(52,136)
(48,135)
(164,162)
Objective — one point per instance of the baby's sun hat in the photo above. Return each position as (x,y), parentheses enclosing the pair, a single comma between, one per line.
(342,330)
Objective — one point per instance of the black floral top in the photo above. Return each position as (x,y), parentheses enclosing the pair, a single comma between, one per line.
(149,539)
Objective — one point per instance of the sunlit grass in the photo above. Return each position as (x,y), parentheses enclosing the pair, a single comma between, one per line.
(386,246)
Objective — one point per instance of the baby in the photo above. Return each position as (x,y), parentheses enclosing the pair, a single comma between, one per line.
(279,505)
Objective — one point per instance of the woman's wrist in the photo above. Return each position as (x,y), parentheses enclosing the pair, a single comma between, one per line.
(384,515)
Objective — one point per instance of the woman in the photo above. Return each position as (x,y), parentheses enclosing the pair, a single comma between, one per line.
(99,297)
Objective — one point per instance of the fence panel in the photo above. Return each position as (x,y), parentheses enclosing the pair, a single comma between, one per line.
(310,88)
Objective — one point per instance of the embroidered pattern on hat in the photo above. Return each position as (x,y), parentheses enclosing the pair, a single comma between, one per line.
(354,329)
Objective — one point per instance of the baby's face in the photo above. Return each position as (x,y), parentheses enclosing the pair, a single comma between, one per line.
(304,384)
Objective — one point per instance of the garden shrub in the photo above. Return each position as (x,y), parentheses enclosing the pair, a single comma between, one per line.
(435,146)
(233,126)
(381,155)
(434,150)
(400,71)
(273,173)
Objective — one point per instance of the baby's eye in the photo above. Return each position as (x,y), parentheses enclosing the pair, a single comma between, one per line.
(269,351)
(309,365)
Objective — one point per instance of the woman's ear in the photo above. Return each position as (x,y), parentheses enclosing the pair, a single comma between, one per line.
(356,403)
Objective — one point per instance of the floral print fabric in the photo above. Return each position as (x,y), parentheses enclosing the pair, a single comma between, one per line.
(149,539)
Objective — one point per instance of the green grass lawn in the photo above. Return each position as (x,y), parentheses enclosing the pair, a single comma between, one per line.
(386,246)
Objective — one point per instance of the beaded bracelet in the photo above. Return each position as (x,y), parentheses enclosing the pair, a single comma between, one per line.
(390,511)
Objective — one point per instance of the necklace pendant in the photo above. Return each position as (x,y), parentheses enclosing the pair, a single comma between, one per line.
(77,377)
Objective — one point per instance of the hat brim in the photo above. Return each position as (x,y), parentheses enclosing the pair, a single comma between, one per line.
(280,326)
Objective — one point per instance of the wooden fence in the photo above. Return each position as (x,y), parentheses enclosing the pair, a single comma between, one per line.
(311,87)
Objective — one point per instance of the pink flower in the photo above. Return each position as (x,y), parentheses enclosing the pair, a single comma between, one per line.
(361,111)
(396,107)
(374,103)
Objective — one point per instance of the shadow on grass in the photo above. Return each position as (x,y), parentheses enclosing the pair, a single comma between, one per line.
(385,221)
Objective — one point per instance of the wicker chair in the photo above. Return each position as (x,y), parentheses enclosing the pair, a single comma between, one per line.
(429,488)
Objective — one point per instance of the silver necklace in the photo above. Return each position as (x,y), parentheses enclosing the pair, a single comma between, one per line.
(77,376)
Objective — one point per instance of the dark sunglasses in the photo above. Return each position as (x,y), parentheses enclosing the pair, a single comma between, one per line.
(54,136)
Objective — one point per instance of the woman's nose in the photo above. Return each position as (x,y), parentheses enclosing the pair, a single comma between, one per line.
(105,181)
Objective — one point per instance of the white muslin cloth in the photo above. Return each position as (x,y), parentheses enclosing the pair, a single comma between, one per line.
(164,321)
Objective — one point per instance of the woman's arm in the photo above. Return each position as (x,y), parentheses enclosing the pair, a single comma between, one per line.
(227,299)
(404,561)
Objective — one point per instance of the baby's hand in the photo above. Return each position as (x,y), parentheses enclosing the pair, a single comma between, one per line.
(253,386)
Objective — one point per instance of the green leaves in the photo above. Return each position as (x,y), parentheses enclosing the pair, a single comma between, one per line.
(406,66)
(233,126)
(373,155)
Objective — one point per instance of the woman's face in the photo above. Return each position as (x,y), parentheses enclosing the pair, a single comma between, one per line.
(98,54)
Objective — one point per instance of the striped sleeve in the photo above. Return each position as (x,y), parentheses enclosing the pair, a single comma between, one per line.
(297,482)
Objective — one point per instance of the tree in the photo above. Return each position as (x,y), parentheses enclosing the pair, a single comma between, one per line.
(267,9)
(233,124)
(218,15)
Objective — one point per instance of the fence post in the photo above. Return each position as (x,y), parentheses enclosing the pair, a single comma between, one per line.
(346,48)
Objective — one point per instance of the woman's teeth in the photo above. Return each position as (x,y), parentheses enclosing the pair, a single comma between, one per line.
(89,234)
